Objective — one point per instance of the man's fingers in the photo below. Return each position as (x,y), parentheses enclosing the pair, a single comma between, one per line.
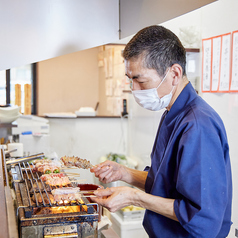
(103,192)
(100,166)
(104,169)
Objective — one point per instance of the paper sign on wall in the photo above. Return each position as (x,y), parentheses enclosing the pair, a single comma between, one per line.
(206,65)
(225,63)
(234,63)
(216,56)
(220,63)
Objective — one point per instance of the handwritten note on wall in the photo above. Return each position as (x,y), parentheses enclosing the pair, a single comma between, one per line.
(216,55)
(234,63)
(225,64)
(206,73)
(220,63)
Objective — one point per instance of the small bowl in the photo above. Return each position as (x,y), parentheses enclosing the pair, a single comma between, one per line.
(9,114)
(9,111)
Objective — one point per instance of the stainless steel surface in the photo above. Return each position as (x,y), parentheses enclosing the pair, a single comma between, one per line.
(25,159)
(39,215)
(10,151)
(64,231)
(3,208)
(11,214)
(42,219)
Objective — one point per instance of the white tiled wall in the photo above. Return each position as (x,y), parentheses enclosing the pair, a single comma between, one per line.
(88,138)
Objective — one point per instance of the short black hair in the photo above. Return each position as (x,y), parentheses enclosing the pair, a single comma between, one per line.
(160,47)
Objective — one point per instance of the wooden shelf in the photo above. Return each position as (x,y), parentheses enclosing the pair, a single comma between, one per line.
(7,125)
(78,117)
(192,50)
(126,91)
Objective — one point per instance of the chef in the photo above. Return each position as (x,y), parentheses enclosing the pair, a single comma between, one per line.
(187,189)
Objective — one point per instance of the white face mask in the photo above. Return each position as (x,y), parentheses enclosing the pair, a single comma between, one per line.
(150,100)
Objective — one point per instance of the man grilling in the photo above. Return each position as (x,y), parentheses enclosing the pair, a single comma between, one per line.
(187,189)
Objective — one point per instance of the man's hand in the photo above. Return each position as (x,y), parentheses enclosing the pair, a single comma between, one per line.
(108,171)
(115,198)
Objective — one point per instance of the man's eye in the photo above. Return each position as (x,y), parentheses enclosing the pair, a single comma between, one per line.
(131,84)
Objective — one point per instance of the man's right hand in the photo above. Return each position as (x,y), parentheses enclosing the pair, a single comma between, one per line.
(108,171)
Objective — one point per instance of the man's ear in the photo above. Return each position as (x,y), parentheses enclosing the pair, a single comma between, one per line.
(177,73)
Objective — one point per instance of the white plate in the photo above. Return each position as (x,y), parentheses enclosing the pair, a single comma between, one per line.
(4,120)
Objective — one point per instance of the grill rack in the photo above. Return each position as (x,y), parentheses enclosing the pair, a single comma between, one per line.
(27,183)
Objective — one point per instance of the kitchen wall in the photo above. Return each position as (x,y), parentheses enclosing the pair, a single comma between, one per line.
(215,19)
(88,138)
(68,82)
(112,80)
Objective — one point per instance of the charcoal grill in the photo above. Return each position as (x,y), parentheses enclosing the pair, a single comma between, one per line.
(45,219)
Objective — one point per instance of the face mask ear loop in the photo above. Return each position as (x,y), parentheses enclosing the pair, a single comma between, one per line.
(163,78)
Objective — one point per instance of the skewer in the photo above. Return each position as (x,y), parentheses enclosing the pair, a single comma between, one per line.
(72,174)
(65,167)
(78,180)
(89,196)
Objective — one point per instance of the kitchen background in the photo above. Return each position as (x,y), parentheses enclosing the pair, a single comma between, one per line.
(76,79)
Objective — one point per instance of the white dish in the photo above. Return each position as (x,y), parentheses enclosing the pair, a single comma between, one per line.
(92,114)
(9,119)
(9,111)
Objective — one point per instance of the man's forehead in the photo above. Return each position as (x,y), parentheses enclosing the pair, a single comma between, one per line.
(133,64)
(133,69)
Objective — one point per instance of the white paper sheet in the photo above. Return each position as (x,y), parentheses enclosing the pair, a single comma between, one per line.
(225,63)
(206,77)
(216,56)
(234,75)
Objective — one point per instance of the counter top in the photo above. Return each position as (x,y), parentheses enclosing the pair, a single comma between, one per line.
(77,117)
(7,125)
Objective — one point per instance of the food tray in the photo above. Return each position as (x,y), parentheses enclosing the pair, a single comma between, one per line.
(134,215)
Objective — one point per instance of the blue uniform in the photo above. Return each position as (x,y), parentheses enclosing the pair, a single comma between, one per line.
(191,164)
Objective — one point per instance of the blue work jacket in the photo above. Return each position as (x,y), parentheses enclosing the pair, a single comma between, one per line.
(190,163)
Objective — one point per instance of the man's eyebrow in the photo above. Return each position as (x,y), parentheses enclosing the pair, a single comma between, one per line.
(135,76)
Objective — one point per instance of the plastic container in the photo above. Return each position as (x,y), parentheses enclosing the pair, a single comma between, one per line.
(125,229)
(15,146)
(131,215)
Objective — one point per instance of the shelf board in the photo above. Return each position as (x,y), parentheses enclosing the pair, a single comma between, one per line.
(7,125)
(192,50)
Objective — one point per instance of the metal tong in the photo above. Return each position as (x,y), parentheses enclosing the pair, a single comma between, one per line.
(25,159)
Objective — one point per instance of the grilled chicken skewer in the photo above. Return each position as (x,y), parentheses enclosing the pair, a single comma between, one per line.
(76,161)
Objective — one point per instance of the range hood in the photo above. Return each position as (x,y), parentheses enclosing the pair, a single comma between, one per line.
(32,31)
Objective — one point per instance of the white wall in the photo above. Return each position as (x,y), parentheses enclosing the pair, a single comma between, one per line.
(88,138)
(215,19)
(142,125)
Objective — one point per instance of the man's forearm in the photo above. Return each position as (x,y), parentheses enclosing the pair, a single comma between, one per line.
(135,177)
(160,205)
